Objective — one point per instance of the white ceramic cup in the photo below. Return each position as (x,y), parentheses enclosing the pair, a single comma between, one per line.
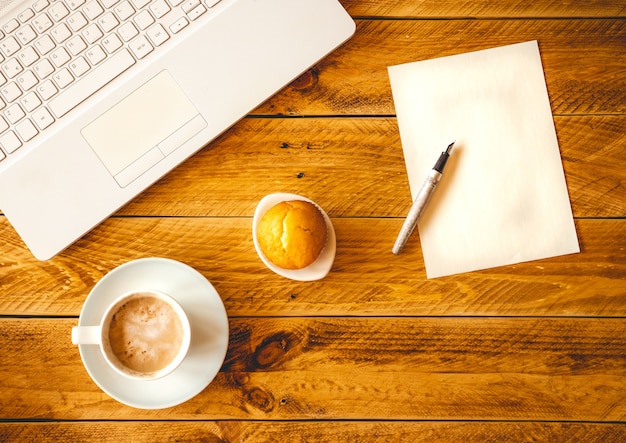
(143,334)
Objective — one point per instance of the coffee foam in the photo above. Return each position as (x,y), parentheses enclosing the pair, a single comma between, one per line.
(146,334)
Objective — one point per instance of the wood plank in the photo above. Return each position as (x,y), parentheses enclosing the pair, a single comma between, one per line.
(480,9)
(536,345)
(375,351)
(366,278)
(584,63)
(355,167)
(592,150)
(320,432)
(531,369)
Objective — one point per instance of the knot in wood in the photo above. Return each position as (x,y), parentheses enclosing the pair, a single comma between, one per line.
(273,349)
(260,399)
(306,81)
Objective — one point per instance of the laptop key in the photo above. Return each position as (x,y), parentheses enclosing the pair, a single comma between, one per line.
(14,113)
(79,66)
(91,83)
(11,26)
(46,89)
(42,23)
(44,45)
(62,78)
(42,118)
(95,55)
(30,102)
(11,68)
(58,12)
(10,142)
(9,46)
(93,10)
(26,130)
(127,31)
(124,10)
(140,46)
(159,8)
(143,19)
(178,25)
(157,35)
(26,15)
(111,43)
(196,12)
(10,92)
(41,5)
(27,80)
(44,68)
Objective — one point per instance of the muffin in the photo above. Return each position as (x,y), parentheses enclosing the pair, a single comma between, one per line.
(292,234)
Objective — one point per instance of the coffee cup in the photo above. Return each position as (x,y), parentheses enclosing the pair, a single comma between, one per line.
(143,335)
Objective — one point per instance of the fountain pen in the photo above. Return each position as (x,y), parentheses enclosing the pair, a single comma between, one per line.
(421,201)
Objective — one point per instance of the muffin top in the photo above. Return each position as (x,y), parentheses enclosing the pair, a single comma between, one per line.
(292,234)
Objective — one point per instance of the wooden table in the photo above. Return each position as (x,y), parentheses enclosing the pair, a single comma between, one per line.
(375,351)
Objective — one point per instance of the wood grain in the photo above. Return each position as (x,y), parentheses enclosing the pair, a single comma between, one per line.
(479,9)
(354,167)
(321,432)
(375,351)
(366,279)
(584,63)
(352,368)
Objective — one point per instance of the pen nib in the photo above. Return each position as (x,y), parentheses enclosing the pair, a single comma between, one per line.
(450,147)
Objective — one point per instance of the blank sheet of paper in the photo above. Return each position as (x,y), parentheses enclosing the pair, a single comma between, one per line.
(503,197)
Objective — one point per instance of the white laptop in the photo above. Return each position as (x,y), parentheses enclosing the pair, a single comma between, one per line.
(100,98)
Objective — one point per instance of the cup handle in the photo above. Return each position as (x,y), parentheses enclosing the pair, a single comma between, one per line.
(86,335)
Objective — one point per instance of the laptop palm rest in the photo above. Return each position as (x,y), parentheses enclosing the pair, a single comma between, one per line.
(143,128)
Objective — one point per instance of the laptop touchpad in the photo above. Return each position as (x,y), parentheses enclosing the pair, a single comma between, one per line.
(143,128)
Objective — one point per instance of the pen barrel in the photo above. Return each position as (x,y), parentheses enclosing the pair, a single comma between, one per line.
(419,204)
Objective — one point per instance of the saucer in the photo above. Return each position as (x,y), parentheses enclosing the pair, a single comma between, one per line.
(209,332)
(316,270)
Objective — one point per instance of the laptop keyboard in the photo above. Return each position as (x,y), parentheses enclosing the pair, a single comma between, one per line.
(56,53)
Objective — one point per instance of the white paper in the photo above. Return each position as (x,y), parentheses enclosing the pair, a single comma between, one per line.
(502,198)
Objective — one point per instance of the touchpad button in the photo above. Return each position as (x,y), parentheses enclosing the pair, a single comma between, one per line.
(143,128)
